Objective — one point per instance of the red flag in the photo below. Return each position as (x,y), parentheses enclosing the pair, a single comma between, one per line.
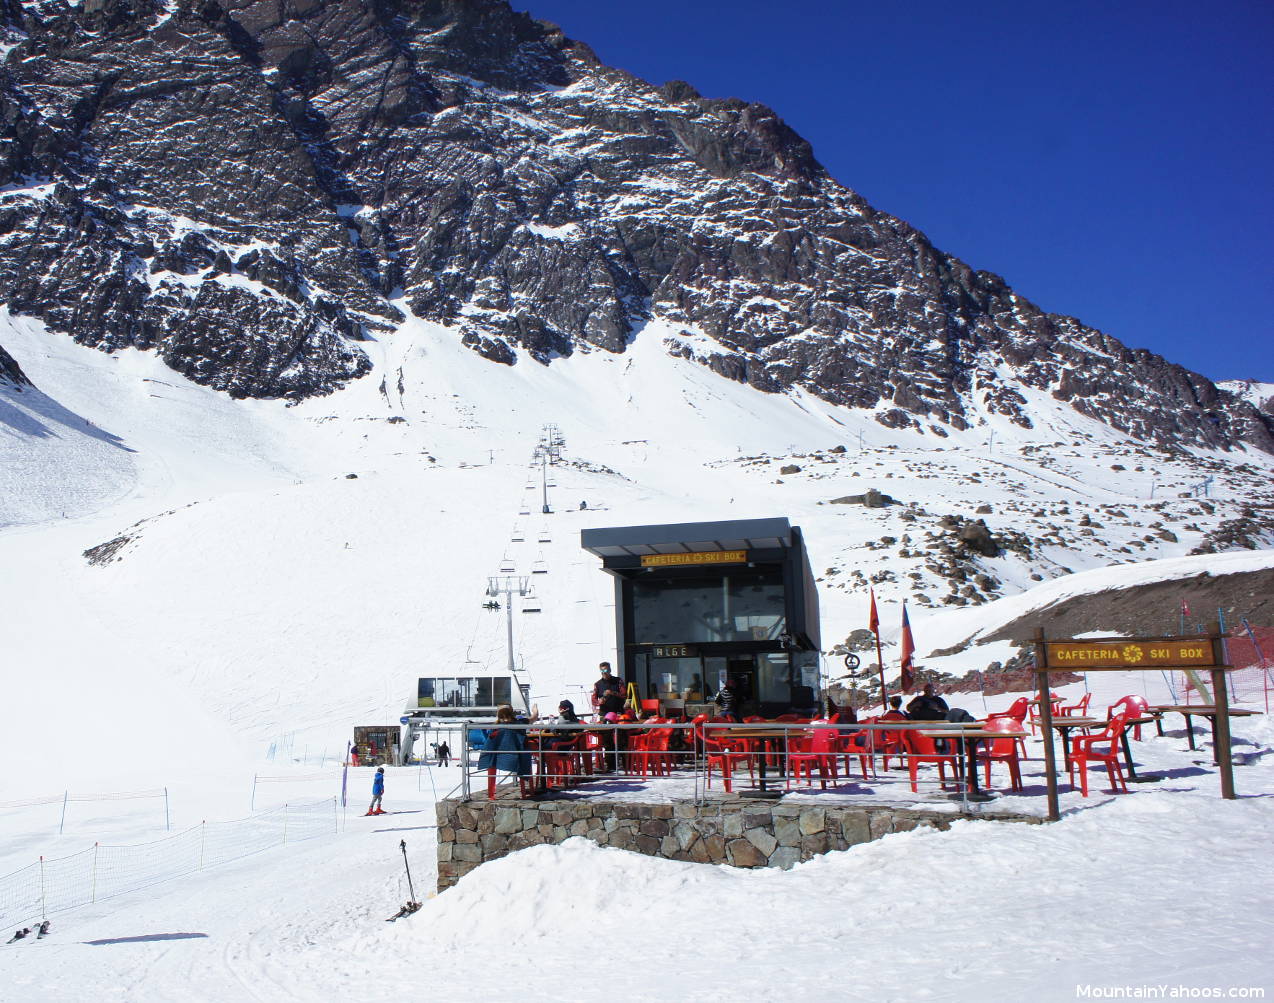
(1185,608)
(908,649)
(873,620)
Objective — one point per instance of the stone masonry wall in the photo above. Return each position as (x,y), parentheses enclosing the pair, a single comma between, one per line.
(738,833)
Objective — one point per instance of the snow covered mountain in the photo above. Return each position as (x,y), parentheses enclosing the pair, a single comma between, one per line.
(216,573)
(257,193)
(248,209)
(1259,395)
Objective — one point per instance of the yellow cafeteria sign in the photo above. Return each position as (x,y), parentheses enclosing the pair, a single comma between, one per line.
(1132,653)
(703,557)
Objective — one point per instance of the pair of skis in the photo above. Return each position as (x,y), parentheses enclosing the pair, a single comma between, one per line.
(411,905)
(41,931)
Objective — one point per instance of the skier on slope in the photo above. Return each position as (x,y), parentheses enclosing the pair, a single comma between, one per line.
(378,791)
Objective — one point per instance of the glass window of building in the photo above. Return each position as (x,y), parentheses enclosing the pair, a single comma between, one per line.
(723,608)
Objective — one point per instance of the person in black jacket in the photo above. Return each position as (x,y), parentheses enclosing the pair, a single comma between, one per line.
(608,695)
(571,727)
(608,692)
(928,706)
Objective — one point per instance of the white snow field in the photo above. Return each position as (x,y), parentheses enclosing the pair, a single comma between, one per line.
(256,595)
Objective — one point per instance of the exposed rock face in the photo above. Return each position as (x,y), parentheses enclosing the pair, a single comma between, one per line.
(10,372)
(246,187)
(1147,610)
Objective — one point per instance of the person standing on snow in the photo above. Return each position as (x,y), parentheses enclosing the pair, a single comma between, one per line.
(378,791)
(444,754)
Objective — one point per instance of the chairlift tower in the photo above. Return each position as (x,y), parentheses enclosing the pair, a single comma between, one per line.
(544,480)
(508,586)
(553,442)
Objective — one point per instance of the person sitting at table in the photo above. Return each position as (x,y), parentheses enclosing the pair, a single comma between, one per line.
(506,747)
(928,706)
(847,718)
(895,712)
(570,732)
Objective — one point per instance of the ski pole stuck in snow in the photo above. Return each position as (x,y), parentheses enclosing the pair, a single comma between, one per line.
(411,905)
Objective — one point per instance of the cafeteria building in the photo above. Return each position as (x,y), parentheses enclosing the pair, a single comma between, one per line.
(697,603)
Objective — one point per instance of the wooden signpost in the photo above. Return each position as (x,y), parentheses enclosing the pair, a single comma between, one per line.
(1202,652)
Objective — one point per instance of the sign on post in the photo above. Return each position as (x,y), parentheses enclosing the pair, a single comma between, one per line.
(1137,653)
(1115,653)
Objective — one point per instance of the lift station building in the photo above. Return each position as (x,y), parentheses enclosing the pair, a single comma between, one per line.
(697,603)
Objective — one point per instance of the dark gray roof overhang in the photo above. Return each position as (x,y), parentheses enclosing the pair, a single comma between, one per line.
(687,537)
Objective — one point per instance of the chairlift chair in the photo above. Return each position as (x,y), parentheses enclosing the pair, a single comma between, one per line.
(539,568)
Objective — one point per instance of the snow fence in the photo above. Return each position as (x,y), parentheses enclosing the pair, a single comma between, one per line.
(102,872)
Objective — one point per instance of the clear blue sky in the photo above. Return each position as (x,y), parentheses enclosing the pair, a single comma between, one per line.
(1113,161)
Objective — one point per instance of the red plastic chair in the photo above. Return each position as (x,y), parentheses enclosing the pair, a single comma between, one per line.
(923,750)
(886,744)
(720,753)
(860,745)
(564,763)
(1084,749)
(594,758)
(1054,699)
(654,759)
(820,750)
(753,747)
(1076,709)
(1131,706)
(1017,712)
(1002,750)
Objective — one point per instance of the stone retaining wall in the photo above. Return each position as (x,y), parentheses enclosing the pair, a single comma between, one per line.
(735,832)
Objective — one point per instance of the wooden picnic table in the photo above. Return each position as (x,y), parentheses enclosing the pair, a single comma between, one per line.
(766,736)
(968,736)
(1201,710)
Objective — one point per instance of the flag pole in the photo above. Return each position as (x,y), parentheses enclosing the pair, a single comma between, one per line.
(874,623)
(880,664)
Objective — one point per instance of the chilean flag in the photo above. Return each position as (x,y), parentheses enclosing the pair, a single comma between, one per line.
(1185,608)
(873,619)
(908,649)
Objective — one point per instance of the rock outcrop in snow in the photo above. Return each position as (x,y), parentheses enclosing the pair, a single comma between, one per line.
(10,372)
(247,188)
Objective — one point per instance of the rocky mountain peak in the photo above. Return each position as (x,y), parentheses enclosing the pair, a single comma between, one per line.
(252,189)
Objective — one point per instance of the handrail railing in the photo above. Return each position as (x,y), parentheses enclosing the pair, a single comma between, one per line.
(568,764)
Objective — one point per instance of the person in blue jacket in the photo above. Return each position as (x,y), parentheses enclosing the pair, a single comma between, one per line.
(505,748)
(378,791)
